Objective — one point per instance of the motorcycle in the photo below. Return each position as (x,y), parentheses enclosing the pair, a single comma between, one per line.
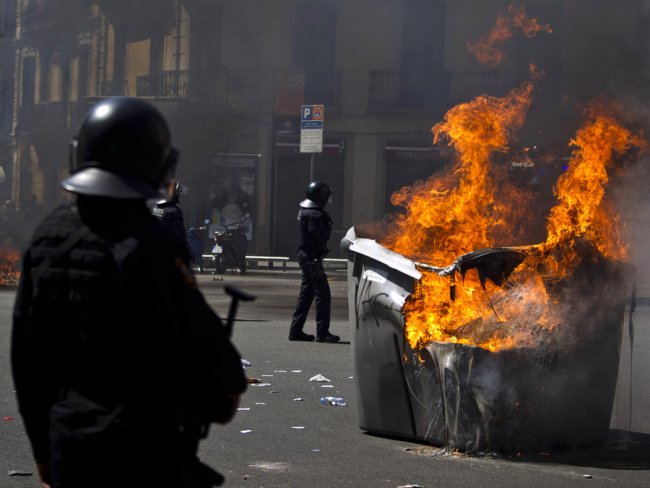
(229,250)
(197,238)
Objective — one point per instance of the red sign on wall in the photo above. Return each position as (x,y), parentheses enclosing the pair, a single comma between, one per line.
(289,91)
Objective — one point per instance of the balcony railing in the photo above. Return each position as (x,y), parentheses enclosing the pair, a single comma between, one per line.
(580,86)
(174,84)
(425,89)
(461,87)
(169,84)
(146,86)
(385,88)
(409,89)
(234,88)
(112,88)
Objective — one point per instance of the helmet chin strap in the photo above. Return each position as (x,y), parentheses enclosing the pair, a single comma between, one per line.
(169,193)
(73,154)
(169,175)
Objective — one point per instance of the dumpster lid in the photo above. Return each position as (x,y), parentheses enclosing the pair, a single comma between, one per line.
(374,250)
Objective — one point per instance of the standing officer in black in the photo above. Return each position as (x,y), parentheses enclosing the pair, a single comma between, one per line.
(119,364)
(170,214)
(315,230)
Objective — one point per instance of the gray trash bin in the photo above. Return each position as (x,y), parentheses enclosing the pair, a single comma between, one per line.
(468,398)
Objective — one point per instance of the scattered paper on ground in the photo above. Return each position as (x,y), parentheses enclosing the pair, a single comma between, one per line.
(319,377)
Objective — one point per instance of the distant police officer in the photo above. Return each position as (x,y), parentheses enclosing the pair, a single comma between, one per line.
(119,364)
(170,215)
(315,230)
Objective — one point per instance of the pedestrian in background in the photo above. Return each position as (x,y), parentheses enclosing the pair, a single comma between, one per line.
(315,230)
(119,364)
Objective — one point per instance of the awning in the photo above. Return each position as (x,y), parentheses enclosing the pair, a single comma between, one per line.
(411,151)
(292,147)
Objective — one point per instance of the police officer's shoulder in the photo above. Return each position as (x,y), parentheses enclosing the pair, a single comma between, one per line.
(54,222)
(158,211)
(159,245)
(314,213)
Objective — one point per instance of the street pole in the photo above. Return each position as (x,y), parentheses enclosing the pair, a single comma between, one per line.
(311,168)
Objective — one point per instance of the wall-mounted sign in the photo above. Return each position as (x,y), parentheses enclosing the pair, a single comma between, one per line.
(311,128)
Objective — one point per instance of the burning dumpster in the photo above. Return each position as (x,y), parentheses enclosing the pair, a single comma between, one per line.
(468,335)
(556,392)
(9,266)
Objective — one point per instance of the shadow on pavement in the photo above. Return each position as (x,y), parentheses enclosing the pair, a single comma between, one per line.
(623,450)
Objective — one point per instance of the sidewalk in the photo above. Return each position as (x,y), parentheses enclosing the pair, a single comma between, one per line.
(280,266)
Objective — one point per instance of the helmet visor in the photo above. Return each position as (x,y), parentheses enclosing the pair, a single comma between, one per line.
(98,182)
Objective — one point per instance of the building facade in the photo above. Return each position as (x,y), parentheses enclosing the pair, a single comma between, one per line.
(231,78)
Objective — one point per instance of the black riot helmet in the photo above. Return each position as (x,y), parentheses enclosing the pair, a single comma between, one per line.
(123,150)
(178,190)
(318,195)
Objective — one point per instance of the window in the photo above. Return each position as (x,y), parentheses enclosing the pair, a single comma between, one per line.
(29,80)
(423,38)
(315,49)
(137,65)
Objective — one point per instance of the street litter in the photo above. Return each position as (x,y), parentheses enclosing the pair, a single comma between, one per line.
(260,403)
(245,364)
(260,384)
(7,418)
(280,371)
(296,370)
(298,399)
(267,376)
(243,409)
(319,377)
(297,427)
(248,431)
(327,386)
(335,401)
(410,486)
(17,472)
(252,381)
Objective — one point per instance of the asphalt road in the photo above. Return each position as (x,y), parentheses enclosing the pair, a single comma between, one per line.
(284,436)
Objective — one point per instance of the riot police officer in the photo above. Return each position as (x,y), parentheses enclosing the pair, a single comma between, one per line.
(170,214)
(315,230)
(119,364)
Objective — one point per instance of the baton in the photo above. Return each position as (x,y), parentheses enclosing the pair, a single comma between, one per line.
(236,295)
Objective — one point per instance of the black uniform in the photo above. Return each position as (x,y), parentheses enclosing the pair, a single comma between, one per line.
(108,320)
(170,215)
(315,230)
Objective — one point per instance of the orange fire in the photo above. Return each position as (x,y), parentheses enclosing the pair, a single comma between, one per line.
(466,209)
(583,212)
(473,207)
(9,261)
(486,49)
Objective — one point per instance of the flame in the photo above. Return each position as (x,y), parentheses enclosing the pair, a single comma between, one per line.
(486,50)
(583,211)
(9,262)
(463,210)
(473,207)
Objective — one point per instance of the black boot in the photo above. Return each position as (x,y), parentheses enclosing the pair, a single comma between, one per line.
(300,336)
(328,338)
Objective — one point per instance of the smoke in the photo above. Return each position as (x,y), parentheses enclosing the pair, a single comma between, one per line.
(630,194)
